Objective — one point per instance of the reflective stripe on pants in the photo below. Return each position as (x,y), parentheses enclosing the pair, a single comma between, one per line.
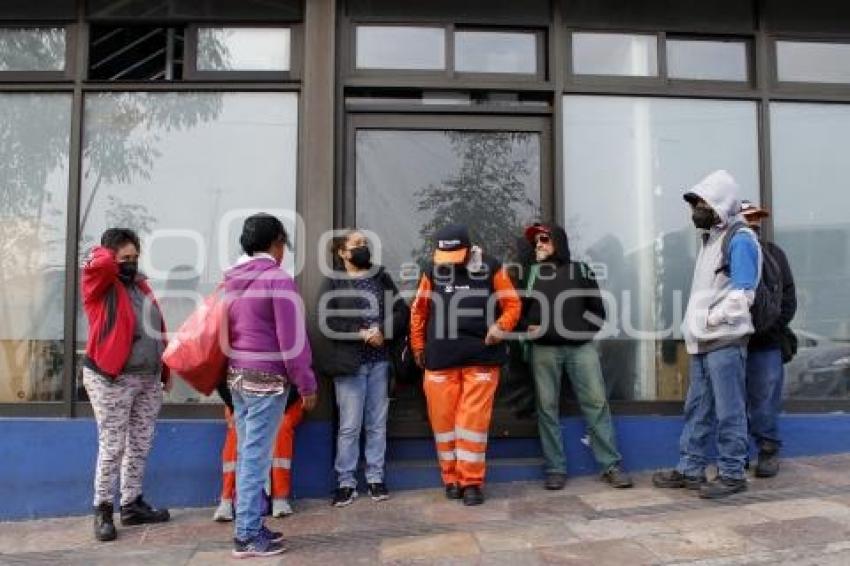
(460,405)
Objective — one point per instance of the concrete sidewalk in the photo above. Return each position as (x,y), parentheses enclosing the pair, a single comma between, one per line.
(801,517)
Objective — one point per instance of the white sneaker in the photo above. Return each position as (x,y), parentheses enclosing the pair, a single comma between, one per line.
(224,512)
(281,508)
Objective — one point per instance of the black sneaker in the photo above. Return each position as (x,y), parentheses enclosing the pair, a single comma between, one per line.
(673,479)
(472,495)
(767,465)
(260,546)
(378,491)
(274,536)
(344,496)
(722,487)
(615,476)
(555,481)
(453,491)
(139,513)
(104,527)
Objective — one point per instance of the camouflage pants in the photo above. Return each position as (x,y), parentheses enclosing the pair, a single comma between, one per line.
(125,410)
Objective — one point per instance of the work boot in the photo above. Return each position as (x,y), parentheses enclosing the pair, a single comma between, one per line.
(472,495)
(104,528)
(555,481)
(673,479)
(453,491)
(615,476)
(767,465)
(139,513)
(722,487)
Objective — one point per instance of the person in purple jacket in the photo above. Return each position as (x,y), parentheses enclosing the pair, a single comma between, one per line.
(269,352)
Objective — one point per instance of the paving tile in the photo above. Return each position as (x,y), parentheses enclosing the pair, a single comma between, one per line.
(429,547)
(523,537)
(609,529)
(613,553)
(704,518)
(697,544)
(800,509)
(454,512)
(626,498)
(795,532)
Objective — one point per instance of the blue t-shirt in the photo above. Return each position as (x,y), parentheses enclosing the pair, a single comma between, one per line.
(744,261)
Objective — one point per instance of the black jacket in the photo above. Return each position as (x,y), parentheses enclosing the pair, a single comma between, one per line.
(772,338)
(583,313)
(343,356)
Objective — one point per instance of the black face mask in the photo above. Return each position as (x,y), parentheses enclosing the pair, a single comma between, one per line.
(703,218)
(127,271)
(756,229)
(361,257)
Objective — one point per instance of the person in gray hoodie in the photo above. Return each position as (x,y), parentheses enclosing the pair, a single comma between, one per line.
(716,330)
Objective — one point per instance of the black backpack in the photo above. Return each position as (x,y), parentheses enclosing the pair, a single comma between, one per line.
(767,305)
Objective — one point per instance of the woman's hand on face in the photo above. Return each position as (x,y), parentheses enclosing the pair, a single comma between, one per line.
(309,402)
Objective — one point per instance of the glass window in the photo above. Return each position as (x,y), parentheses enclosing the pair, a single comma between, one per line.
(615,54)
(707,60)
(184,170)
(495,52)
(812,225)
(34,141)
(243,49)
(401,47)
(813,62)
(627,163)
(32,49)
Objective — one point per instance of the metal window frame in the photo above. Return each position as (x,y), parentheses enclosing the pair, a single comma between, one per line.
(748,84)
(190,61)
(540,72)
(614,80)
(803,88)
(66,75)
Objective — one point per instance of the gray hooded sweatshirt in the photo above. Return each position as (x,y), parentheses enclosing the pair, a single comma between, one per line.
(718,314)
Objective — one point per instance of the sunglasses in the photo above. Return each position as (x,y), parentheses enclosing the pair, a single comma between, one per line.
(542,239)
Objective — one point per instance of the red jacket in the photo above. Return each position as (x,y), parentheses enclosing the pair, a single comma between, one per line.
(110,314)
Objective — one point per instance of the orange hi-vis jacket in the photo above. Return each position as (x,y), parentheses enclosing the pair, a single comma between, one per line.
(449,323)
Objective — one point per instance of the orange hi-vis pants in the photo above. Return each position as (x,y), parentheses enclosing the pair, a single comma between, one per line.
(281,475)
(460,404)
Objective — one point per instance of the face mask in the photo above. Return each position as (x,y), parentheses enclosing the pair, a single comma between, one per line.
(756,228)
(127,271)
(361,257)
(542,255)
(703,218)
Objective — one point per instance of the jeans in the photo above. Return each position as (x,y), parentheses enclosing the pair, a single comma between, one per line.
(764,395)
(581,364)
(257,418)
(363,403)
(715,407)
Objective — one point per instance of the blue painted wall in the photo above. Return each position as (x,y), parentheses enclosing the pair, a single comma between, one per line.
(47,465)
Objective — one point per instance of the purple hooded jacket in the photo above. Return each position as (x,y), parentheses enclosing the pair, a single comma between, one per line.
(266,322)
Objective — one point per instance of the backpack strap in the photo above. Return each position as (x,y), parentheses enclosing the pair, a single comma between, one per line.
(731,232)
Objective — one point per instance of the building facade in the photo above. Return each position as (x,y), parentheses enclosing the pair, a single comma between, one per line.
(179,118)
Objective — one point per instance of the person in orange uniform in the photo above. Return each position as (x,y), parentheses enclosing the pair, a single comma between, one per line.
(460,348)
(281,472)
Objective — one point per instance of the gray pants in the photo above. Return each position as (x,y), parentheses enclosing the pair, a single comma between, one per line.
(125,410)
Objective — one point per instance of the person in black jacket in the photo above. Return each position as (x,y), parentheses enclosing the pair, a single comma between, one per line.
(767,352)
(360,312)
(562,311)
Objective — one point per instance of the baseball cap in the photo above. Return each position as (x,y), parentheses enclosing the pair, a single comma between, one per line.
(452,242)
(537,228)
(752,210)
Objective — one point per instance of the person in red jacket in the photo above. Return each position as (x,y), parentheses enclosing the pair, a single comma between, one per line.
(123,375)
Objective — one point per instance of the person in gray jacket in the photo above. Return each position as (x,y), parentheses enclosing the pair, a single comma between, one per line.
(716,330)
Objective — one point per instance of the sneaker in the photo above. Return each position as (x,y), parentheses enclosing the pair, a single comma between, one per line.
(378,491)
(453,491)
(258,547)
(274,536)
(104,527)
(139,513)
(344,496)
(673,479)
(722,487)
(472,495)
(555,481)
(281,508)
(767,465)
(224,512)
(615,476)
